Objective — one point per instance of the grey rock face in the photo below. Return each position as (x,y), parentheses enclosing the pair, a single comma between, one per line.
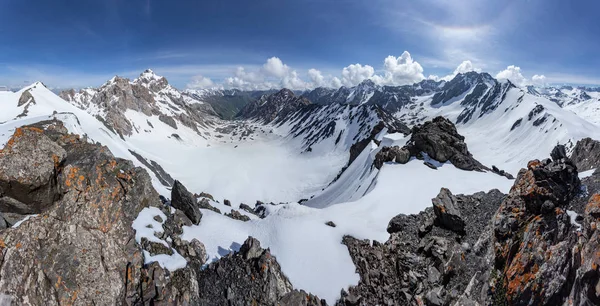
(168,120)
(279,104)
(25,98)
(391,154)
(421,263)
(447,212)
(250,277)
(236,215)
(78,249)
(440,140)
(183,200)
(162,175)
(28,166)
(586,154)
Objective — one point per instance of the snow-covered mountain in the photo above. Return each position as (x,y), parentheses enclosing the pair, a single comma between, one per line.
(319,147)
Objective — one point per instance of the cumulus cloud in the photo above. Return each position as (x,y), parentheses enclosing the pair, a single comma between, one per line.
(464,67)
(539,80)
(354,74)
(400,70)
(276,68)
(512,73)
(316,77)
(200,82)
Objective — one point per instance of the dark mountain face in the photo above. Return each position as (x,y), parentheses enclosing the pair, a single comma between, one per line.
(269,107)
(228,103)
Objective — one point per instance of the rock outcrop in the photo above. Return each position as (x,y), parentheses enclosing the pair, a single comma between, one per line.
(251,276)
(184,200)
(586,154)
(269,107)
(391,154)
(519,249)
(440,140)
(79,247)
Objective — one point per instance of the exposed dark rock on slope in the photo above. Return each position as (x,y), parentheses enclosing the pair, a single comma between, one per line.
(269,107)
(80,248)
(519,249)
(440,140)
(586,154)
(251,276)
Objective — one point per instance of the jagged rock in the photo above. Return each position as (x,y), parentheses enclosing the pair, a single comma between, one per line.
(28,166)
(447,212)
(168,120)
(533,248)
(251,276)
(203,203)
(301,298)
(205,195)
(25,98)
(183,200)
(236,215)
(391,154)
(440,140)
(330,223)
(162,175)
(502,173)
(79,248)
(586,154)
(415,262)
(226,202)
(269,107)
(398,223)
(247,208)
(155,248)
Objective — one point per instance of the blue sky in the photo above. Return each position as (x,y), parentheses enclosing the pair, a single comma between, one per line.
(273,43)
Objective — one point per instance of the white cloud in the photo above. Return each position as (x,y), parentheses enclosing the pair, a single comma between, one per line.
(336,83)
(317,79)
(276,68)
(353,74)
(539,80)
(400,70)
(464,67)
(512,73)
(200,82)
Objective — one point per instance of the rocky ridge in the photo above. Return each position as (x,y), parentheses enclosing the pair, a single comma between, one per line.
(489,249)
(75,245)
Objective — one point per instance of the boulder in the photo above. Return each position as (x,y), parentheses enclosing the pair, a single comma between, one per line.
(183,200)
(391,154)
(251,276)
(205,204)
(168,120)
(447,212)
(586,154)
(29,164)
(440,140)
(226,202)
(236,215)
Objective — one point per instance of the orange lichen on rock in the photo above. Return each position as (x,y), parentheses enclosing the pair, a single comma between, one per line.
(593,206)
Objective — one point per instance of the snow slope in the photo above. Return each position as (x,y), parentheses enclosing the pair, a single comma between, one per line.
(310,252)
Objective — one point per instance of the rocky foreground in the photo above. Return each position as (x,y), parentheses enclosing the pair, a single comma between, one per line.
(538,245)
